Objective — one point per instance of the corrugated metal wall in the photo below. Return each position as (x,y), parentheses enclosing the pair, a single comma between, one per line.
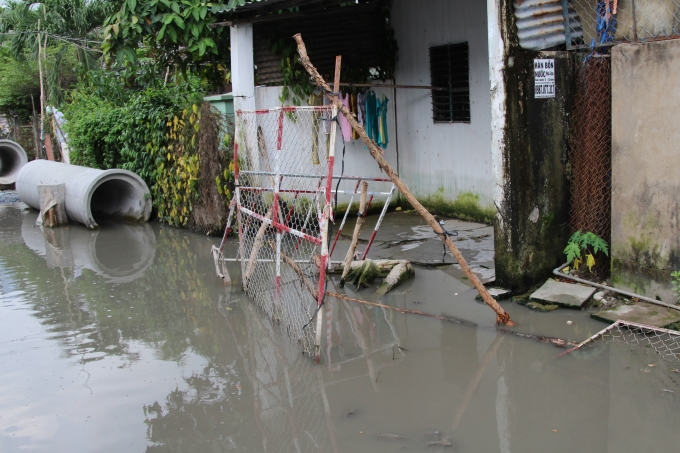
(351,31)
(540,24)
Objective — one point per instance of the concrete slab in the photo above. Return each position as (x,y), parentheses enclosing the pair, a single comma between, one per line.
(496,293)
(406,236)
(642,312)
(564,294)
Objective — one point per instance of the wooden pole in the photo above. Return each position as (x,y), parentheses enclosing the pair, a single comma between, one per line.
(325,258)
(42,89)
(389,307)
(355,236)
(377,153)
(34,125)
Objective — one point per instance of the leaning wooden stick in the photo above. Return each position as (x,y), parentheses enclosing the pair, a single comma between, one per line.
(377,153)
(289,261)
(355,237)
(389,307)
(257,244)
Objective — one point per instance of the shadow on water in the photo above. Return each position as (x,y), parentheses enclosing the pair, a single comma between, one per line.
(124,339)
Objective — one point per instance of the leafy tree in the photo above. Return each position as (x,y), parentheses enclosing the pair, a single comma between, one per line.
(176,33)
(18,81)
(66,26)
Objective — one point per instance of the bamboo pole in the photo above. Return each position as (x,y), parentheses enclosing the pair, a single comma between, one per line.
(299,272)
(389,307)
(377,153)
(42,90)
(34,125)
(327,212)
(355,236)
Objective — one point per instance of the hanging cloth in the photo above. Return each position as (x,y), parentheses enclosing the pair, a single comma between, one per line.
(327,125)
(345,127)
(361,106)
(316,99)
(383,139)
(327,122)
(371,118)
(354,111)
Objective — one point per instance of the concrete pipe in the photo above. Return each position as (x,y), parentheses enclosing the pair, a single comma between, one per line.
(12,158)
(90,193)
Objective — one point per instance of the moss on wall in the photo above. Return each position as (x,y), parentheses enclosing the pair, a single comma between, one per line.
(647,281)
(465,207)
(374,209)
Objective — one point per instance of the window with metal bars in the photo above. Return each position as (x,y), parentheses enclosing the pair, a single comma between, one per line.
(449,70)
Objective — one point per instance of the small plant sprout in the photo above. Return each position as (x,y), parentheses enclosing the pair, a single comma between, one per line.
(675,283)
(584,246)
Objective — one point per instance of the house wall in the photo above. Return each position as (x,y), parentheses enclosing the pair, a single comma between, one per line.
(358,161)
(645,167)
(447,166)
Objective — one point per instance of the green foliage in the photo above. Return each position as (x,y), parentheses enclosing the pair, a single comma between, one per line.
(113,126)
(675,284)
(297,84)
(151,130)
(225,182)
(94,129)
(18,81)
(176,171)
(176,33)
(587,245)
(69,34)
(573,251)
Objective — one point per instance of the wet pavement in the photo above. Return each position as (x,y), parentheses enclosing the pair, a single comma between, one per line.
(123,339)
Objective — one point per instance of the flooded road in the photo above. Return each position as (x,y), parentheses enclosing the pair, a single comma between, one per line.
(123,339)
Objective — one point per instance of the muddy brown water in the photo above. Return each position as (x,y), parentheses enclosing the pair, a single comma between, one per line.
(123,339)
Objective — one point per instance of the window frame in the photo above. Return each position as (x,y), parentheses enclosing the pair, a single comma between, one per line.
(450,69)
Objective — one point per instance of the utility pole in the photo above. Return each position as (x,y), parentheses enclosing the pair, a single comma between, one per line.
(42,92)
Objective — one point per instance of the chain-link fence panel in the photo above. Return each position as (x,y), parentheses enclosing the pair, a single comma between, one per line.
(285,195)
(591,154)
(291,407)
(656,341)
(284,163)
(594,23)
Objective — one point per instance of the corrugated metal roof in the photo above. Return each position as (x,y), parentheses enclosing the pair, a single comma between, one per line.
(540,24)
(267,6)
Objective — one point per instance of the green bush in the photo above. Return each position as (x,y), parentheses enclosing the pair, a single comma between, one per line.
(113,125)
(95,128)
(159,132)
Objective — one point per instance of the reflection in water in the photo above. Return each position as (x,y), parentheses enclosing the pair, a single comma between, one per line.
(171,360)
(120,252)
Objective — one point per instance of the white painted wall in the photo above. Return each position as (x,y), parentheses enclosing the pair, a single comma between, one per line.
(358,161)
(454,157)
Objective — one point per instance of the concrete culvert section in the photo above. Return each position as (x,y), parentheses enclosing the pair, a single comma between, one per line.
(12,159)
(90,193)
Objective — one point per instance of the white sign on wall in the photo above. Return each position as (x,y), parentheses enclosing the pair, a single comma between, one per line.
(544,78)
